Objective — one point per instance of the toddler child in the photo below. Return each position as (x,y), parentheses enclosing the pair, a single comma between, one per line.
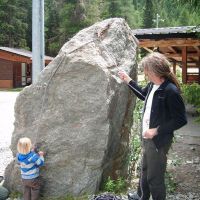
(29,165)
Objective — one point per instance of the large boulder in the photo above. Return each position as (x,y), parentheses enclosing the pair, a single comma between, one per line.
(80,112)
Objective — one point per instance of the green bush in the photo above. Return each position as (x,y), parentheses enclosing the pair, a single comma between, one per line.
(115,186)
(191,95)
(135,141)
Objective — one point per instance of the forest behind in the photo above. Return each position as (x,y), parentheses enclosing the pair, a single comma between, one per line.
(64,18)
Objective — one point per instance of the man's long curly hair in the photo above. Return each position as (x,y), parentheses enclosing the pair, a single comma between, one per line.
(158,64)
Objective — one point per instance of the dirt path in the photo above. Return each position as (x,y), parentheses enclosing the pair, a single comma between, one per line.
(185,158)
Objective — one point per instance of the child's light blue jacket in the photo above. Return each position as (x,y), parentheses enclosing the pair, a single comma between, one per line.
(29,164)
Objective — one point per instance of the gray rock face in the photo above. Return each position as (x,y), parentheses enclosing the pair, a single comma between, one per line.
(80,112)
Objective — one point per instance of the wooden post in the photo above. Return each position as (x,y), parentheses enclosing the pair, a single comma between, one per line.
(174,67)
(198,65)
(184,64)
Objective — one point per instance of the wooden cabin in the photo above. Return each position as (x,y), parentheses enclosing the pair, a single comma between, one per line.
(16,67)
(180,44)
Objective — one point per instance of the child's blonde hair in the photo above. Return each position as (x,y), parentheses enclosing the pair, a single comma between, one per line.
(24,145)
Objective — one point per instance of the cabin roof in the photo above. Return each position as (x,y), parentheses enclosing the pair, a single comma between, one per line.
(22,52)
(167,30)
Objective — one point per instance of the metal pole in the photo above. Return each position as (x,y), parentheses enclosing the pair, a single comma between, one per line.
(37,38)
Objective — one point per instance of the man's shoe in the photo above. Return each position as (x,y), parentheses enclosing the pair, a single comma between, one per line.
(133,196)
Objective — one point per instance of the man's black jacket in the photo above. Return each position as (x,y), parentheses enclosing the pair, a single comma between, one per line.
(167,111)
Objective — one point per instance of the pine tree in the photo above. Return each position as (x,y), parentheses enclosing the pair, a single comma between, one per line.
(72,19)
(13,25)
(28,20)
(114,8)
(148,14)
(94,11)
(51,28)
(195,4)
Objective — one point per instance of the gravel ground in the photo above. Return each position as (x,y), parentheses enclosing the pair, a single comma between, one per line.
(7,101)
(177,196)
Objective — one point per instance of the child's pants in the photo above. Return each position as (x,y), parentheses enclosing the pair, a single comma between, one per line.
(31,188)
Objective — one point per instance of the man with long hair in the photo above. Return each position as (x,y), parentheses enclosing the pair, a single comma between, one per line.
(163,113)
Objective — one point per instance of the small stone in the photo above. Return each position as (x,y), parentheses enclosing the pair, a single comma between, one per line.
(190,196)
(196,160)
(193,148)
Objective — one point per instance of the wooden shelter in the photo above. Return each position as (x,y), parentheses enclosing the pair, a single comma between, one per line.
(180,44)
(16,67)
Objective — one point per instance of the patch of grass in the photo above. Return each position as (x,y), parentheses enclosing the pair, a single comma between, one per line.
(68,197)
(12,90)
(115,186)
(15,195)
(170,183)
